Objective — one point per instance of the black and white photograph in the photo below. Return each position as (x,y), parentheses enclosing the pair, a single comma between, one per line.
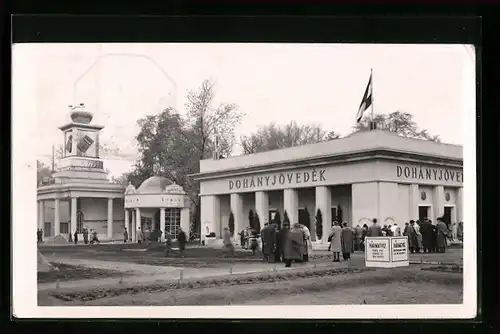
(244,180)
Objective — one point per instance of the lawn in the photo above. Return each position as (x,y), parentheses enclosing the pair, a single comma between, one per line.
(64,272)
(153,254)
(382,286)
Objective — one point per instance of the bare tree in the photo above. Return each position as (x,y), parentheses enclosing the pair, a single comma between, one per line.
(207,121)
(399,122)
(272,137)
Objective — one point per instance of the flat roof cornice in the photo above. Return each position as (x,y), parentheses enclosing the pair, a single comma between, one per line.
(82,126)
(334,159)
(356,142)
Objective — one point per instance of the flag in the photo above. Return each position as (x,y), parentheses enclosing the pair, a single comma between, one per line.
(366,102)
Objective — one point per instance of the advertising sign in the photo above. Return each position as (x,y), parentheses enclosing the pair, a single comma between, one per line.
(399,249)
(86,143)
(386,252)
(377,250)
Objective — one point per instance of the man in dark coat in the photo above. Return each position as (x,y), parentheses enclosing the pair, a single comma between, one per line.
(426,231)
(75,238)
(346,241)
(294,244)
(375,230)
(268,242)
(181,238)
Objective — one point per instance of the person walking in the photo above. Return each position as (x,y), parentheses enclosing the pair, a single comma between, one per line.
(125,235)
(75,237)
(242,238)
(335,239)
(269,242)
(330,245)
(228,243)
(85,236)
(346,241)
(138,235)
(294,244)
(182,239)
(364,233)
(375,230)
(94,237)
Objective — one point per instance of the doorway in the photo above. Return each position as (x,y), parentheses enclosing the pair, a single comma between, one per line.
(47,229)
(337,214)
(304,218)
(423,212)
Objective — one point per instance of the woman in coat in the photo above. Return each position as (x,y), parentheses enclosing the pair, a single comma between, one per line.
(364,232)
(335,239)
(294,245)
(442,233)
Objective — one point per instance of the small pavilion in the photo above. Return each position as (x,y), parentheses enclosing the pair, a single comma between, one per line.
(79,195)
(157,205)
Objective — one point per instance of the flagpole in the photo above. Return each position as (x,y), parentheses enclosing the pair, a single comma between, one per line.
(372,117)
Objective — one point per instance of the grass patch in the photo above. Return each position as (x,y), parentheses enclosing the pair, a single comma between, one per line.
(381,286)
(201,283)
(66,272)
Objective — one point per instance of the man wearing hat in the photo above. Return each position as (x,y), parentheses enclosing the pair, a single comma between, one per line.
(442,233)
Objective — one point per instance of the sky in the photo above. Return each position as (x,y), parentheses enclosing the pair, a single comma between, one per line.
(308,83)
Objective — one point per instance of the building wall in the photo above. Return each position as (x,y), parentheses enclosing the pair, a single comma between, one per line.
(388,198)
(403,204)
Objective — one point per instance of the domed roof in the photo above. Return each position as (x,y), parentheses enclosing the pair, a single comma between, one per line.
(154,184)
(130,189)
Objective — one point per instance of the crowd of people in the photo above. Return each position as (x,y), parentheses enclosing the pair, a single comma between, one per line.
(293,244)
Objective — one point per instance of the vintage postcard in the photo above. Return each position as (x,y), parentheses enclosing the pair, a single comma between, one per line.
(270,180)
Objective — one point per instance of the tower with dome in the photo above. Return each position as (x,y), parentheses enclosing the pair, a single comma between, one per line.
(80,196)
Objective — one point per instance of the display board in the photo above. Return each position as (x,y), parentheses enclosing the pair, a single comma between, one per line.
(386,252)
(86,143)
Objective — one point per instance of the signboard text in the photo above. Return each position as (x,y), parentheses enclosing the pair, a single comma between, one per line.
(435,174)
(281,179)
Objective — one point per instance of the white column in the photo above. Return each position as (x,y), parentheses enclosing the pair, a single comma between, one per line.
(414,201)
(460,205)
(291,205)
(73,216)
(162,223)
(236,203)
(134,228)
(41,214)
(127,224)
(138,222)
(56,217)
(185,221)
(262,206)
(110,218)
(210,215)
(324,203)
(438,199)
